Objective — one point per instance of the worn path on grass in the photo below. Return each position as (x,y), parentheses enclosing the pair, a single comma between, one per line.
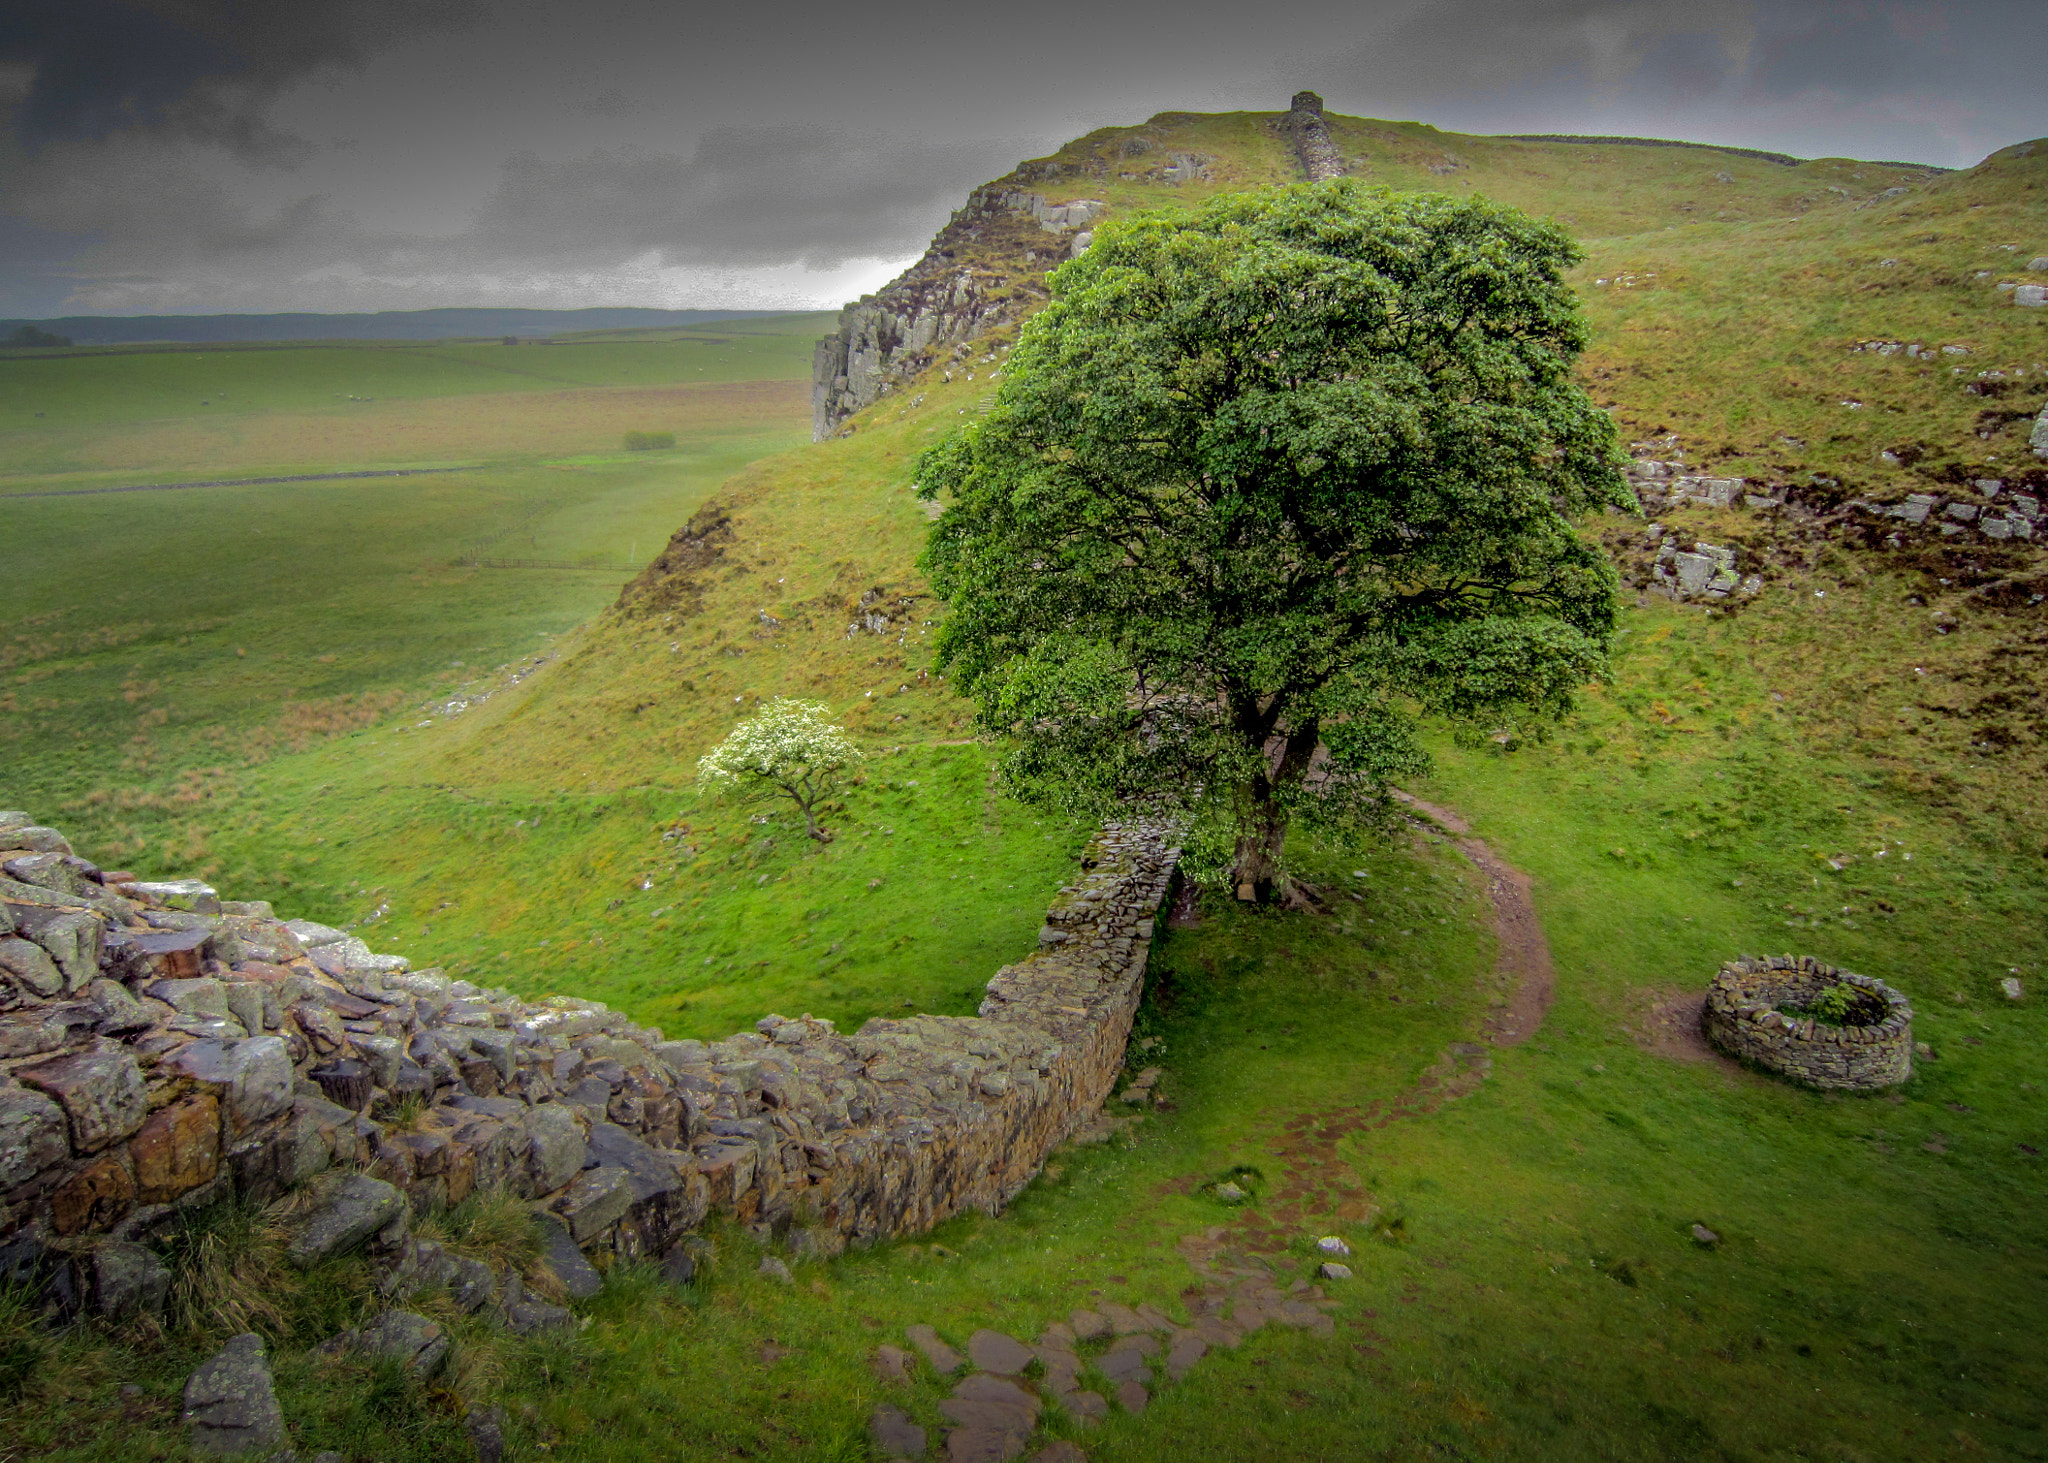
(995,1410)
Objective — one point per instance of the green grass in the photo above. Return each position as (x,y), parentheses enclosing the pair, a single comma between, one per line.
(1528,1281)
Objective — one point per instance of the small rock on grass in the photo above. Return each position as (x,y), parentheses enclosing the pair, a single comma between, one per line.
(486,1428)
(1089,1326)
(1704,1236)
(892,1364)
(774,1269)
(1132,1396)
(229,1403)
(1331,1270)
(1331,1244)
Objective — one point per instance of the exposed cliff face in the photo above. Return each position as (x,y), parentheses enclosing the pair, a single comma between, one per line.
(986,268)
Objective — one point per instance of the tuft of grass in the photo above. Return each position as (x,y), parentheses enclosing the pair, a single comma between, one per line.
(228,1270)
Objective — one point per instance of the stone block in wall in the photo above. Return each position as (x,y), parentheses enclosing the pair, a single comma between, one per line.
(555,1147)
(177,1149)
(71,937)
(252,1076)
(94,1197)
(33,1135)
(101,1091)
(124,1281)
(29,967)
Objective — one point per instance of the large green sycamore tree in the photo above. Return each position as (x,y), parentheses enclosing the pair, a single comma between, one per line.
(1265,485)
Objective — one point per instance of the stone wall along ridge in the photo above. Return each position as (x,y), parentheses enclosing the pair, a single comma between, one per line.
(161,1047)
(1742,1017)
(1312,145)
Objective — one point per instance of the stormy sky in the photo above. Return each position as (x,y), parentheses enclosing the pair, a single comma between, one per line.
(186,156)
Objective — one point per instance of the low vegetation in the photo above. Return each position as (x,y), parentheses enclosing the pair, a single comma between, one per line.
(1531,1279)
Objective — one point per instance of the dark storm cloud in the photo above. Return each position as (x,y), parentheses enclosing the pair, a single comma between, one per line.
(768,194)
(273,153)
(204,68)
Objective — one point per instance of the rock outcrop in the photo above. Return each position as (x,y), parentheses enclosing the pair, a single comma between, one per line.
(189,1046)
(985,269)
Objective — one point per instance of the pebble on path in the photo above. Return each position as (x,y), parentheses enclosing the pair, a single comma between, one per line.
(894,1434)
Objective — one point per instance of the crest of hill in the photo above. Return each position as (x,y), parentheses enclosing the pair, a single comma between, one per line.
(1729,295)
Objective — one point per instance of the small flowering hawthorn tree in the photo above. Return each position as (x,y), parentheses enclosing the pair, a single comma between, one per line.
(788,748)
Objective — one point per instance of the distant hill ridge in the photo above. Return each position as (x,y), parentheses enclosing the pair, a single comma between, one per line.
(383,325)
(1770,157)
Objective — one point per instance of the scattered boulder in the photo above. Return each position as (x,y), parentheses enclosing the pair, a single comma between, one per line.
(406,1337)
(354,1208)
(230,1405)
(127,1280)
(776,1270)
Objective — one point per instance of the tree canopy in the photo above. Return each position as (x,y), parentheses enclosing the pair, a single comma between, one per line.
(1263,485)
(792,749)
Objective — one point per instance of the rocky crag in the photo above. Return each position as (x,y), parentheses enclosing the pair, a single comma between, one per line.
(161,1047)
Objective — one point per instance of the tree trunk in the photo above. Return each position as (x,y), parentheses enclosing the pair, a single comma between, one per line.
(1257,874)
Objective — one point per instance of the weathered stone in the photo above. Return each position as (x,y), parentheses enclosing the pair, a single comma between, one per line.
(1132,1396)
(253,1076)
(1332,1270)
(528,1316)
(560,1253)
(127,1281)
(230,1405)
(1061,1451)
(894,1434)
(177,1149)
(1084,1406)
(37,839)
(993,1409)
(71,938)
(486,1429)
(102,1094)
(943,1358)
(1187,1349)
(1089,1325)
(992,1351)
(30,966)
(776,1270)
(355,1207)
(597,1199)
(94,1197)
(892,1364)
(556,1147)
(405,1337)
(32,1135)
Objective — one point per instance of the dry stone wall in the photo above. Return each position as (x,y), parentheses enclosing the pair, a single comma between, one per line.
(1743,1017)
(161,1047)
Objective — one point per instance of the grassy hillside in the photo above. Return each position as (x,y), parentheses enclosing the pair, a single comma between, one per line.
(1808,773)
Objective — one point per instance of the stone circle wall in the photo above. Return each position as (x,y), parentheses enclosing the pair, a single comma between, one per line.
(1741,1017)
(161,1047)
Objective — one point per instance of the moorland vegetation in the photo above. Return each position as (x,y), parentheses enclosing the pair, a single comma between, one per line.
(1813,769)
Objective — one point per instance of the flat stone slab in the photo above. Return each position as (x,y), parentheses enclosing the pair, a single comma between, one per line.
(990,1404)
(992,1351)
(230,1405)
(1060,1452)
(1089,1325)
(944,1359)
(1132,1396)
(894,1434)
(892,1364)
(1084,1406)
(354,1209)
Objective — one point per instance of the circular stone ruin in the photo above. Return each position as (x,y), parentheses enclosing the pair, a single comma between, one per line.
(1757,1009)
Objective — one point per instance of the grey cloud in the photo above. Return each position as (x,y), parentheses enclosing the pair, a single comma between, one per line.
(200,68)
(762,194)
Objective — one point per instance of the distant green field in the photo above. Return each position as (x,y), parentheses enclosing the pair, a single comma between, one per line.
(92,418)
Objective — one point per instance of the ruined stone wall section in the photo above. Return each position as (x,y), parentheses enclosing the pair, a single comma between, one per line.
(160,1048)
(1304,122)
(1742,1017)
